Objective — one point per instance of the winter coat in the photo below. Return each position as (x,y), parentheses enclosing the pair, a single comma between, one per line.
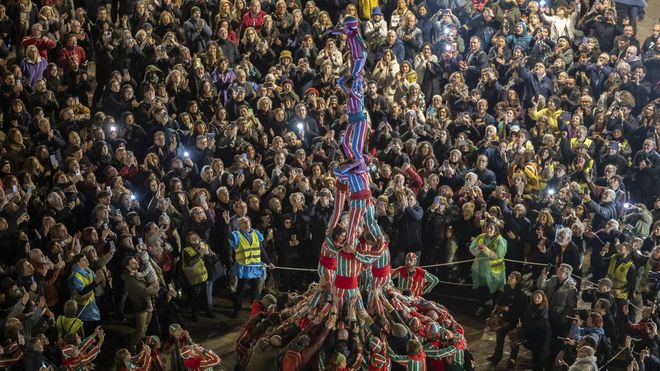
(584,364)
(562,297)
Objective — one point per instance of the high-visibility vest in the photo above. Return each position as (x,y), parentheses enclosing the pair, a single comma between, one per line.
(248,252)
(196,273)
(84,299)
(587,142)
(619,277)
(497,264)
(67,325)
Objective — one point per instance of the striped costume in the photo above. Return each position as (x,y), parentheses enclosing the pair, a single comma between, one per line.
(356,45)
(377,358)
(341,191)
(360,206)
(12,355)
(356,131)
(380,276)
(326,269)
(196,358)
(141,362)
(419,282)
(76,358)
(413,362)
(417,362)
(349,266)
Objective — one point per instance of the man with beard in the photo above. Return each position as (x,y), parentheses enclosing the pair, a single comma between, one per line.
(563,250)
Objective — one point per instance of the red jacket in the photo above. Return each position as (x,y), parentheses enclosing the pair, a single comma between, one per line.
(67,54)
(42,44)
(255,21)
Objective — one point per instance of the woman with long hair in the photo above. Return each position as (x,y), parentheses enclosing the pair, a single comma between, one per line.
(385,73)
(536,327)
(33,65)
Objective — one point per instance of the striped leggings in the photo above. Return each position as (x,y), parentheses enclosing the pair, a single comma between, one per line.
(354,138)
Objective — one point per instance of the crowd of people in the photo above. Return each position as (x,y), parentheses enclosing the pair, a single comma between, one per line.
(151,149)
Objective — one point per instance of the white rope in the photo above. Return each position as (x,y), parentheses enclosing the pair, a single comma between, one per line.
(455,283)
(611,359)
(296,269)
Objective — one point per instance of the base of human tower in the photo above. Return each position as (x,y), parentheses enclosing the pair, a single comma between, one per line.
(414,332)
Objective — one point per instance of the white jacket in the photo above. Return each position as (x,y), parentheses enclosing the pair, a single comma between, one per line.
(562,26)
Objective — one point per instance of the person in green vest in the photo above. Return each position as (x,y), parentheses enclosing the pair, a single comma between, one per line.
(488,273)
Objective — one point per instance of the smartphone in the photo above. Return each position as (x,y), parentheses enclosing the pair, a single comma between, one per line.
(244,156)
(210,136)
(53,161)
(107,189)
(294,237)
(112,247)
(14,188)
(78,172)
(140,241)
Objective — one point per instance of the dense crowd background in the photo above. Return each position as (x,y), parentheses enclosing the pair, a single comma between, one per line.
(139,136)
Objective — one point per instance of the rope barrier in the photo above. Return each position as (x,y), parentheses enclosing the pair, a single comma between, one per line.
(611,359)
(296,269)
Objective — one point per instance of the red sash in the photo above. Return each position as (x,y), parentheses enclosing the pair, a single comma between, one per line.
(361,195)
(346,283)
(328,262)
(381,272)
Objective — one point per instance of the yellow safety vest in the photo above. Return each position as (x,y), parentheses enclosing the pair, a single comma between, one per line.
(87,298)
(497,264)
(587,142)
(196,273)
(67,325)
(619,277)
(248,252)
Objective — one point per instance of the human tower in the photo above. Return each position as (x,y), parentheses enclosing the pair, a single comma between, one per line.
(354,265)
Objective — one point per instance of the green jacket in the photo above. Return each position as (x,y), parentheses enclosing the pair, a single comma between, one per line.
(138,291)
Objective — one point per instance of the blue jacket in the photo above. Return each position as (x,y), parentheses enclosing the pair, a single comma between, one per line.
(90,312)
